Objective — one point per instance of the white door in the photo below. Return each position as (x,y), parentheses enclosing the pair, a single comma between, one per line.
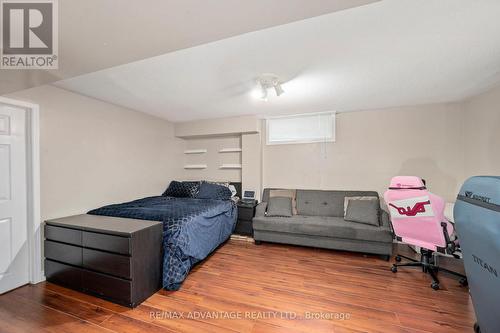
(14,253)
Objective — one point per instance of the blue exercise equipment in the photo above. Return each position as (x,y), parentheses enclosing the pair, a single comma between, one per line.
(477,219)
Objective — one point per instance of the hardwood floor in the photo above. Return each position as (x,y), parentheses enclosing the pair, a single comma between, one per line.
(273,288)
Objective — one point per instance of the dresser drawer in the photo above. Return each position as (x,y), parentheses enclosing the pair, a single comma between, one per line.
(68,254)
(244,228)
(109,263)
(65,235)
(65,275)
(246,213)
(116,289)
(106,242)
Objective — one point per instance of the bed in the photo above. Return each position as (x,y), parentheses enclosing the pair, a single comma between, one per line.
(192,228)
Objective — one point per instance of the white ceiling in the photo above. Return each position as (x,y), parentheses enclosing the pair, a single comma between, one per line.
(98,34)
(385,54)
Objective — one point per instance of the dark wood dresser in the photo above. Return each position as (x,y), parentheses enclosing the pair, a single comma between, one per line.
(113,258)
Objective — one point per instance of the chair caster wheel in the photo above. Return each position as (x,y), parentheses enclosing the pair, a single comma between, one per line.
(394,269)
(463,282)
(435,285)
(398,258)
(477,329)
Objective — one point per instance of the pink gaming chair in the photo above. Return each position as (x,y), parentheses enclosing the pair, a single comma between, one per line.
(417,218)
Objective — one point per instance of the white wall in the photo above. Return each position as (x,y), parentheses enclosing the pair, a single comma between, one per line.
(94,153)
(213,158)
(220,126)
(251,176)
(373,146)
(482,134)
(241,132)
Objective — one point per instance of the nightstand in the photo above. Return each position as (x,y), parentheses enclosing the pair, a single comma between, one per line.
(246,212)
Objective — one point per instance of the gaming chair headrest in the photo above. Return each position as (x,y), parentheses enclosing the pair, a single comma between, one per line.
(407,183)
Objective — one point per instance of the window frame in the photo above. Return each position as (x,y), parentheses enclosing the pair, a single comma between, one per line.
(333,115)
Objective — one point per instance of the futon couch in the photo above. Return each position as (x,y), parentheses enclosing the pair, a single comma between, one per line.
(319,222)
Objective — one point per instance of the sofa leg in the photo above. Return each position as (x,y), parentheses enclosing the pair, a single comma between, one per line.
(258,242)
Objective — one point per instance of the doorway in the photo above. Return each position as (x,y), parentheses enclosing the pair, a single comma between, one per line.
(20,240)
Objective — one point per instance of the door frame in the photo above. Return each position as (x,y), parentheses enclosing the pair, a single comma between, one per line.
(33,186)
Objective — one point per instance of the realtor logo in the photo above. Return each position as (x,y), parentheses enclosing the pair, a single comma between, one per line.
(29,37)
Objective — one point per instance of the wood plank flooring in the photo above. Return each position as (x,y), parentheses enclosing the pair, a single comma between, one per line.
(268,288)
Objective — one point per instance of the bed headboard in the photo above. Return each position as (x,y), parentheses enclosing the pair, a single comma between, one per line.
(237,185)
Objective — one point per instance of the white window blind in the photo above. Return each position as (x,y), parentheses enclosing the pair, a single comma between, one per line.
(305,128)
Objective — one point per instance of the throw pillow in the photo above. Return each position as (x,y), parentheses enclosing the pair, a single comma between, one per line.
(182,189)
(280,207)
(175,189)
(363,211)
(347,199)
(213,191)
(191,188)
(286,193)
(226,184)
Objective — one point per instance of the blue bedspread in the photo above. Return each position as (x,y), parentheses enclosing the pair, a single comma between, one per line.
(192,229)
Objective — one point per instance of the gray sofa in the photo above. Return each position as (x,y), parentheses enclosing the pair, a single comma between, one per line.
(320,223)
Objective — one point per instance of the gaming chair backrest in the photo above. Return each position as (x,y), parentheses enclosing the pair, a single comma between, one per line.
(416,214)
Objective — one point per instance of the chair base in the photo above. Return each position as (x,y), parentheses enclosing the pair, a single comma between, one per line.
(427,264)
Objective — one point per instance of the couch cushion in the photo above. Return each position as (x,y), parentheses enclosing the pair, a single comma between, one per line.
(280,206)
(348,198)
(363,211)
(325,226)
(286,193)
(320,203)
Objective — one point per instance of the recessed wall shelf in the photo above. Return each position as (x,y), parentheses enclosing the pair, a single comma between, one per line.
(195,166)
(230,150)
(195,151)
(230,166)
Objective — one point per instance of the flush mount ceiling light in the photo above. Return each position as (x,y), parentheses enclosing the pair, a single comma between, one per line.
(268,81)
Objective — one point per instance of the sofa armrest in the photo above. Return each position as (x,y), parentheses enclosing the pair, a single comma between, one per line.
(260,210)
(385,221)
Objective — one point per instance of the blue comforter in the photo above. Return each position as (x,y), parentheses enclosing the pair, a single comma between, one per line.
(192,229)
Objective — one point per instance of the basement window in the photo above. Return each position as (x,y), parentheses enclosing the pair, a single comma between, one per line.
(303,128)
